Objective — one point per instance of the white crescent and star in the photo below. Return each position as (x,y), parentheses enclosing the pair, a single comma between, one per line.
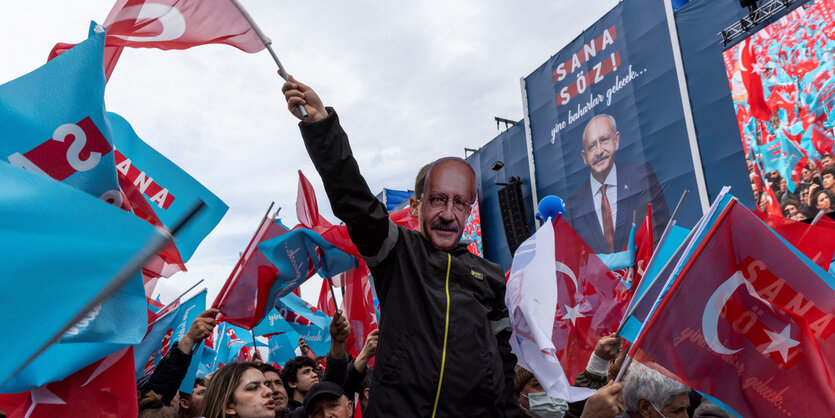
(710,318)
(781,342)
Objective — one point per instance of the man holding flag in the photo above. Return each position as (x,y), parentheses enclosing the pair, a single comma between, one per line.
(444,326)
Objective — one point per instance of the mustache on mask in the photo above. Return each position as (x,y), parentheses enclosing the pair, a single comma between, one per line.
(441,225)
(600,158)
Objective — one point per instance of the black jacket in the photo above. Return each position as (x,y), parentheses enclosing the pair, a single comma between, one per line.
(410,276)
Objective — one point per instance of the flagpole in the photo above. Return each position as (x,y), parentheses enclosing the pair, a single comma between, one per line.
(225,288)
(267,43)
(685,270)
(127,273)
(333,294)
(175,300)
(652,258)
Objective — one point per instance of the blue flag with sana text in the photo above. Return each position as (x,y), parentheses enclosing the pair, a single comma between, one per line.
(54,124)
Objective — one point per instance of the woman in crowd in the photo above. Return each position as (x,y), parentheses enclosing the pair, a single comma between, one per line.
(822,201)
(238,390)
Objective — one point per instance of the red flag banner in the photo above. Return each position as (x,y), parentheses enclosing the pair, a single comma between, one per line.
(106,388)
(591,300)
(749,322)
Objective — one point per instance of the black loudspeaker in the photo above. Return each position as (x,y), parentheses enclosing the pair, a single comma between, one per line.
(514,218)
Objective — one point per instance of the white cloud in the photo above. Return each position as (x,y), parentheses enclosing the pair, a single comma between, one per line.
(412,81)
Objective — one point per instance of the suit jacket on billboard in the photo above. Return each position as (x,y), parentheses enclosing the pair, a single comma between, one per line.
(637,187)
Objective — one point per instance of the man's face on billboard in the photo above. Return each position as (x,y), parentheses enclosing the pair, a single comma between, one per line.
(600,141)
(446,203)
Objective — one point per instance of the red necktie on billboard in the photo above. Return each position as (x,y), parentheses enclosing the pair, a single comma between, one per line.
(608,224)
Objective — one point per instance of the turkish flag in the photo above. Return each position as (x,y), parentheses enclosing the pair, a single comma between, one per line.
(821,139)
(749,322)
(772,203)
(750,71)
(243,298)
(591,300)
(106,388)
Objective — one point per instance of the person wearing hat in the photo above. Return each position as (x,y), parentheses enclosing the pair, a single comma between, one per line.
(327,400)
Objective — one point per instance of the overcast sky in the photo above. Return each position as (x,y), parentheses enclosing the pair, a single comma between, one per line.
(412,82)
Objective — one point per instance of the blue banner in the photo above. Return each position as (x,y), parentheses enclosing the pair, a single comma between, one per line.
(608,129)
(166,331)
(170,191)
(312,325)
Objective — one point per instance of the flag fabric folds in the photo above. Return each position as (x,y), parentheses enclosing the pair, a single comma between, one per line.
(168,330)
(532,298)
(105,388)
(311,324)
(165,188)
(252,275)
(591,300)
(293,253)
(173,24)
(748,321)
(85,244)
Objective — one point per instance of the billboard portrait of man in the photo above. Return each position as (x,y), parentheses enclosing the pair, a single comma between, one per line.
(601,209)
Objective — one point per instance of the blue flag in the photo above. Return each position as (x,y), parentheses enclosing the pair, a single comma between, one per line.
(166,331)
(60,249)
(274,323)
(312,325)
(54,124)
(283,347)
(230,340)
(170,191)
(293,252)
(205,362)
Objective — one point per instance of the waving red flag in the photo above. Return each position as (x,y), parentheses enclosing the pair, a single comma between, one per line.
(591,300)
(106,388)
(749,322)
(173,24)
(750,71)
(242,300)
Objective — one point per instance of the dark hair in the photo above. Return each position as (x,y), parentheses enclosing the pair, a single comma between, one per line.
(830,170)
(198,381)
(221,389)
(290,370)
(151,406)
(813,202)
(523,376)
(264,367)
(366,382)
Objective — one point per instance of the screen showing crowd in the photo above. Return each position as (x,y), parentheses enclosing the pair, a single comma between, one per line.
(783,91)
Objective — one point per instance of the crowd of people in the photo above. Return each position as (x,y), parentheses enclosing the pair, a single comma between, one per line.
(815,192)
(340,385)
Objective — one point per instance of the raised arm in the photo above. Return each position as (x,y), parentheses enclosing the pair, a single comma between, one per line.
(328,147)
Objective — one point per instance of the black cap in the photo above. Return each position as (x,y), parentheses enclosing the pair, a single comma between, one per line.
(321,390)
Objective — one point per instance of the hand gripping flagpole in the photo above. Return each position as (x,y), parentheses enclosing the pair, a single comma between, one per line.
(125,275)
(267,43)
